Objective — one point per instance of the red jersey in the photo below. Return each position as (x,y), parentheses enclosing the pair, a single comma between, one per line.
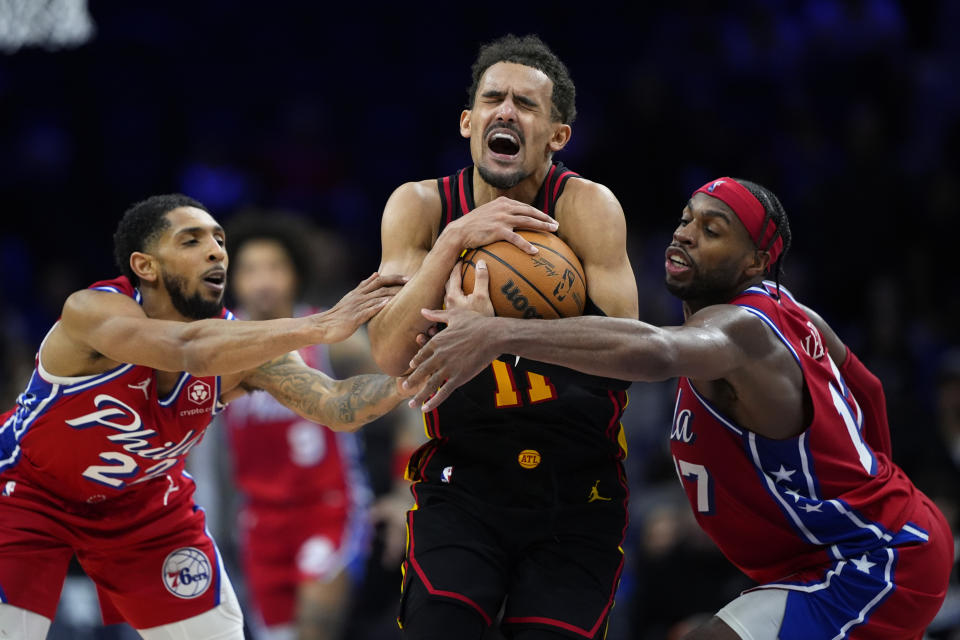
(775,507)
(280,458)
(91,438)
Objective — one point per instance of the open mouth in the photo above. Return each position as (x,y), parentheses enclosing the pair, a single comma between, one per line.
(504,140)
(677,261)
(216,279)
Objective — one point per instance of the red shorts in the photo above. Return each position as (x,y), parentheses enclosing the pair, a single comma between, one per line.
(285,545)
(147,551)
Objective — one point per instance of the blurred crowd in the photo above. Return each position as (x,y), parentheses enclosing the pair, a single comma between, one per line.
(848,110)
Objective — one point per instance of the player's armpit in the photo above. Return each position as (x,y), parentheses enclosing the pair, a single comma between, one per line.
(342,405)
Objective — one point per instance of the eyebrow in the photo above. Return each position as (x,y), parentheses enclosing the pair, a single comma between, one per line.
(712,213)
(193,230)
(519,97)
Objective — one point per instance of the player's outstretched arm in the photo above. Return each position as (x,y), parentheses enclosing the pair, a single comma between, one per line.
(412,247)
(342,405)
(710,345)
(116,328)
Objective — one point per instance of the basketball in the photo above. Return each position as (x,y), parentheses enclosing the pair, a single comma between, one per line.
(549,284)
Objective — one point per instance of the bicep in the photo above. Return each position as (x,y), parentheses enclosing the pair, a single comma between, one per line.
(594,226)
(116,327)
(408,228)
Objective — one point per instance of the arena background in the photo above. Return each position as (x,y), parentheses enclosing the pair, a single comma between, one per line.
(849,111)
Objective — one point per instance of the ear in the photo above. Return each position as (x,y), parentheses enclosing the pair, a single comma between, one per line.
(560,138)
(465,123)
(145,266)
(758,266)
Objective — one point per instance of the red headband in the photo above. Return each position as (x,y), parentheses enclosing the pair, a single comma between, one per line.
(750,212)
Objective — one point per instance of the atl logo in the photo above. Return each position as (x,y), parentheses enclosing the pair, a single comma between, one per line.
(198,392)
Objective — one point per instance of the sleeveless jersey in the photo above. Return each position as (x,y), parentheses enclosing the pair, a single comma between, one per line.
(279,458)
(776,507)
(524,432)
(92,438)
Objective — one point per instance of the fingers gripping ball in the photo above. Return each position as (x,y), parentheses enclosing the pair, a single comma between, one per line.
(548,284)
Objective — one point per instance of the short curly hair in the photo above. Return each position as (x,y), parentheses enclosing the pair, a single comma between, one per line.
(529,51)
(143,223)
(288,230)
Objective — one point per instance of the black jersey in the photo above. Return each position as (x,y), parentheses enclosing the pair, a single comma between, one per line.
(523,432)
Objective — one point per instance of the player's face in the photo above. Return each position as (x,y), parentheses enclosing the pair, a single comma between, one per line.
(264,280)
(710,252)
(511,130)
(193,262)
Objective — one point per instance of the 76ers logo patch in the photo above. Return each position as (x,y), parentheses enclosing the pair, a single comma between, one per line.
(198,392)
(186,572)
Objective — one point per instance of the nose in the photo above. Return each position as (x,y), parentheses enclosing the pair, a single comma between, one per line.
(507,110)
(217,252)
(683,234)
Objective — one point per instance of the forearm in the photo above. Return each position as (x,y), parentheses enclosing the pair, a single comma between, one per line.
(345,405)
(218,347)
(393,331)
(610,347)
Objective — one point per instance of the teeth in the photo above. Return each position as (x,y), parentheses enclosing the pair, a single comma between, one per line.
(679,261)
(504,136)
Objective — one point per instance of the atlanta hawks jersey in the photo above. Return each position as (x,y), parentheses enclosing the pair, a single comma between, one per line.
(524,432)
(776,507)
(91,438)
(279,458)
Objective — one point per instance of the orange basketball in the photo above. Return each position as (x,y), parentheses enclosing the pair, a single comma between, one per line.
(548,284)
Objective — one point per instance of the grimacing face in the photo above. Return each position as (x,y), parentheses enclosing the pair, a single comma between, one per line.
(192,262)
(264,279)
(510,127)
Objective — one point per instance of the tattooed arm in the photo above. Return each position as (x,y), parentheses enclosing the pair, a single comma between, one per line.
(342,405)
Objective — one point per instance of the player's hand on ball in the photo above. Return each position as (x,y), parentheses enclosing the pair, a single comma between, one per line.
(497,220)
(450,358)
(479,300)
(359,306)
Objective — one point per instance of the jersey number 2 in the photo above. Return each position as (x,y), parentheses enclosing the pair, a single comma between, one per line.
(539,390)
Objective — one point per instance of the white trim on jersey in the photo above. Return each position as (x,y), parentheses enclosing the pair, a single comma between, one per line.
(18,433)
(716,414)
(772,489)
(172,396)
(773,327)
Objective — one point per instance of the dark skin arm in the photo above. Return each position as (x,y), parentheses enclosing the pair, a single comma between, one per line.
(728,353)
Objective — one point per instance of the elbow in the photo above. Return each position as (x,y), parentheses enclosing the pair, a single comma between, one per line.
(197,360)
(651,360)
(391,359)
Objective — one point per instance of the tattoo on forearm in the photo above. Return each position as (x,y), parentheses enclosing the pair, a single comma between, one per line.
(353,401)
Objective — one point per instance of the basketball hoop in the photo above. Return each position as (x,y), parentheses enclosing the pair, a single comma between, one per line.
(51,24)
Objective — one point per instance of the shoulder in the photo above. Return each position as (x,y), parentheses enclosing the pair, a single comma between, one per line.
(413,208)
(736,325)
(588,202)
(99,301)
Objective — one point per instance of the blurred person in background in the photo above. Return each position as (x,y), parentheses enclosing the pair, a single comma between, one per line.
(125,384)
(304,521)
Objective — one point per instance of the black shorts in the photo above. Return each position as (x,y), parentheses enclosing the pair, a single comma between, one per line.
(557,568)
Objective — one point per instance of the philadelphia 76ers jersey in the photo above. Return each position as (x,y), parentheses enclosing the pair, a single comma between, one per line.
(90,438)
(775,507)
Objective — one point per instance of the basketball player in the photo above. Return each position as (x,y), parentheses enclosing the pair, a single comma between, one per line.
(503,488)
(304,522)
(779,435)
(91,458)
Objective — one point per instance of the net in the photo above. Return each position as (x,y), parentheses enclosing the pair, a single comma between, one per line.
(51,24)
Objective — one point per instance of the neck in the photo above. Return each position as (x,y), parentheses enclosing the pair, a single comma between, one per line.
(526,191)
(694,305)
(156,304)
